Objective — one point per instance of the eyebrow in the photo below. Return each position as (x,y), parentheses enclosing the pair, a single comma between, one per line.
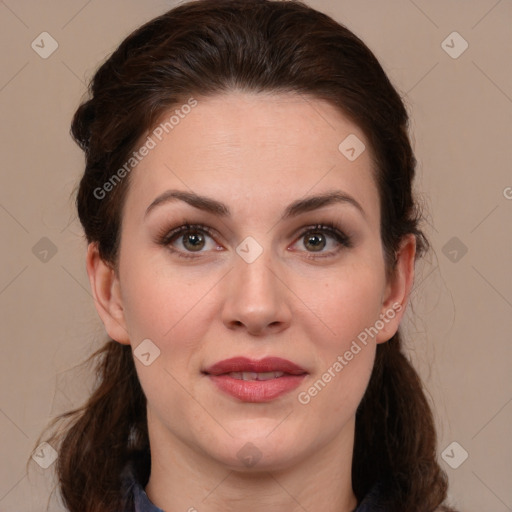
(220,209)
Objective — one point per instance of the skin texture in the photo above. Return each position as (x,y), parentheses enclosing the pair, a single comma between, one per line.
(256,153)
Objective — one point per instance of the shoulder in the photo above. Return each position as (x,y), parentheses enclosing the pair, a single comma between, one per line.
(135,498)
(374,500)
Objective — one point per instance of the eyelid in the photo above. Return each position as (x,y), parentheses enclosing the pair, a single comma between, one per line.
(331,228)
(167,235)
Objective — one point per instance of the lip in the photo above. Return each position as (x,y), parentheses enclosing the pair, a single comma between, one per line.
(244,364)
(256,390)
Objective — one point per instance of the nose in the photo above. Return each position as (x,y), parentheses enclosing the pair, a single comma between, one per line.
(256,299)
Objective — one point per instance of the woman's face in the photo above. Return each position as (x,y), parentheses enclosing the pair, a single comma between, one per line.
(255,278)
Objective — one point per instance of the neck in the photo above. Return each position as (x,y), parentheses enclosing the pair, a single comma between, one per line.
(183,478)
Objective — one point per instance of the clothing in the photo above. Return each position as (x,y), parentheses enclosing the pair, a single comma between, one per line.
(141,503)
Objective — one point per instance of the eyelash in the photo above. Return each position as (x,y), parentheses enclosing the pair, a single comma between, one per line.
(331,228)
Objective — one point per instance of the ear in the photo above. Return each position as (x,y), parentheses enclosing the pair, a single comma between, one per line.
(107,295)
(397,290)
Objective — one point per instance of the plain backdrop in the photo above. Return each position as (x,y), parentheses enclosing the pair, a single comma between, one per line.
(459,330)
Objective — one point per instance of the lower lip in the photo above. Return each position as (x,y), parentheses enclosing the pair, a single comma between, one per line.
(257,390)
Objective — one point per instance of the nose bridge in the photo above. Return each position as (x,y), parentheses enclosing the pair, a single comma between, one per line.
(254,259)
(257,274)
(256,296)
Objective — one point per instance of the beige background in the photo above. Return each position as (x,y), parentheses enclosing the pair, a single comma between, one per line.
(461,112)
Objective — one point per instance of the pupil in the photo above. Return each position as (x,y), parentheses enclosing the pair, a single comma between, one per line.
(317,242)
(194,241)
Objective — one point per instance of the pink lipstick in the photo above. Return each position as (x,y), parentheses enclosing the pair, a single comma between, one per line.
(256,381)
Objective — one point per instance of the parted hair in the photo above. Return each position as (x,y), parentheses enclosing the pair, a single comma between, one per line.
(210,47)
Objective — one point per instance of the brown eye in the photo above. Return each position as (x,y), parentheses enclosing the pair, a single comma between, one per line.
(193,241)
(315,241)
(188,239)
(323,236)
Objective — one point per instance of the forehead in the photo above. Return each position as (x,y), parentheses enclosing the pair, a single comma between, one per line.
(272,147)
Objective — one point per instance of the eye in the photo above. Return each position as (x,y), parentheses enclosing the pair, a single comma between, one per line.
(316,238)
(188,239)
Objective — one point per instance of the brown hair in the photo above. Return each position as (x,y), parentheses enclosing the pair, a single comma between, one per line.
(211,47)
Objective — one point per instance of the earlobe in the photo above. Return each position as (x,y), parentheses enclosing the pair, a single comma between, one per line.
(106,292)
(398,289)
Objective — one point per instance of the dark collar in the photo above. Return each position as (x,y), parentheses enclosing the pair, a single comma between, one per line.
(139,501)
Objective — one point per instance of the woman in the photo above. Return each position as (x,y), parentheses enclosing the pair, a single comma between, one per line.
(252,237)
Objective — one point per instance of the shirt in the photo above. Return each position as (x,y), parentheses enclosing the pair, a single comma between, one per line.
(141,503)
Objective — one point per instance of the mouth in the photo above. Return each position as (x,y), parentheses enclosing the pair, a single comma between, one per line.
(256,381)
(255,376)
(249,369)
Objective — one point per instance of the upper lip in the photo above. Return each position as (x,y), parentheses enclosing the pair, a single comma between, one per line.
(244,364)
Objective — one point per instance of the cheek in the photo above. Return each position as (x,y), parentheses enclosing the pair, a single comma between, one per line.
(344,360)
(346,309)
(158,299)
(170,309)
(346,304)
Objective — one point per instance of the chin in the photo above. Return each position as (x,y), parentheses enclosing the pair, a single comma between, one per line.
(259,453)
